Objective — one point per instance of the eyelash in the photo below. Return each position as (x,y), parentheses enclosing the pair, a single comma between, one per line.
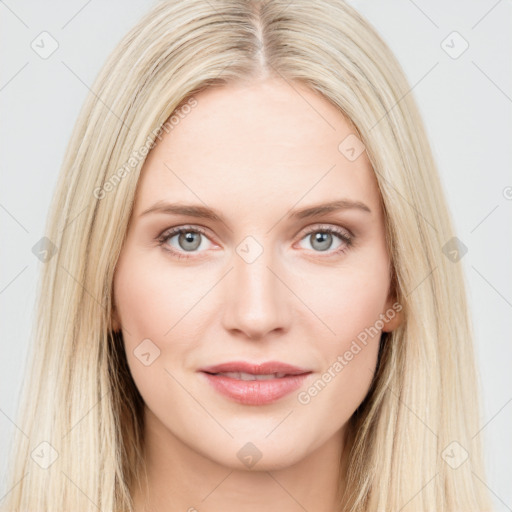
(164,237)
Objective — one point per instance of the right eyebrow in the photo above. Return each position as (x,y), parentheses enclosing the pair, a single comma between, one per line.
(183,209)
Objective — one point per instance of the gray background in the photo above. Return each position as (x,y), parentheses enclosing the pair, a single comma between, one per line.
(466,103)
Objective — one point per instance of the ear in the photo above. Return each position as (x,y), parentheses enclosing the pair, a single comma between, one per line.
(115,323)
(393,317)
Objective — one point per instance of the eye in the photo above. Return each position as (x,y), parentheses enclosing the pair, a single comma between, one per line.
(321,239)
(187,239)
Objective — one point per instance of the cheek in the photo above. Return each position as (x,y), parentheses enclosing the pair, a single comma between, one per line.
(147,309)
(353,355)
(350,300)
(151,297)
(137,298)
(349,357)
(153,303)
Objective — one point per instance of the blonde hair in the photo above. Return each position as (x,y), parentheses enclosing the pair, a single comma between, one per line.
(79,395)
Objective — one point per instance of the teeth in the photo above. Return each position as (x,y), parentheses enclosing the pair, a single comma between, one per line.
(250,376)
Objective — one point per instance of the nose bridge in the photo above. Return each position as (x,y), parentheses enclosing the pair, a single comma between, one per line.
(256,305)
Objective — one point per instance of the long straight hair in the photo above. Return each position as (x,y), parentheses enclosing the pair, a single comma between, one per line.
(80,410)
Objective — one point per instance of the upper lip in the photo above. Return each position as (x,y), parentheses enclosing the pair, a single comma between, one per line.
(265,368)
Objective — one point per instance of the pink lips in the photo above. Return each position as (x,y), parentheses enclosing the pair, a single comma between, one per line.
(287,378)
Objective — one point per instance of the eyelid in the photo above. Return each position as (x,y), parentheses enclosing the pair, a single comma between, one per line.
(205,231)
(345,235)
(184,227)
(319,226)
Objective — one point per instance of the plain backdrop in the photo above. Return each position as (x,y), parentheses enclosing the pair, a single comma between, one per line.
(457,57)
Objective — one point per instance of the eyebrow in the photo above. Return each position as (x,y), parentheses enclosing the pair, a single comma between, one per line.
(209,213)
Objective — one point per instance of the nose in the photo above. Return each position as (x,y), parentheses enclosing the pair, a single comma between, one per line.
(257,301)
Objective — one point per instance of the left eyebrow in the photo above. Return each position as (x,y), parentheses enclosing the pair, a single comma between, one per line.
(323,208)
(210,213)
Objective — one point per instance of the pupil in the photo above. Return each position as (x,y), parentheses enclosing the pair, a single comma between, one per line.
(324,240)
(189,239)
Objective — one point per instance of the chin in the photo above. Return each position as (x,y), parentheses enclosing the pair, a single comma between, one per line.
(256,453)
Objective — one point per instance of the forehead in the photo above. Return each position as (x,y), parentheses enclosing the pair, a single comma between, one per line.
(267,141)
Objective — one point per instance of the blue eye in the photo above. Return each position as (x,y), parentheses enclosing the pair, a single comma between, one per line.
(324,236)
(189,240)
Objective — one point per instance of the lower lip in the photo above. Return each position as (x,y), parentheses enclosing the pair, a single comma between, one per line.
(255,392)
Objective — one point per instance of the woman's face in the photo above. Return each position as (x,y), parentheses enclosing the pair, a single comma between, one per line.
(257,276)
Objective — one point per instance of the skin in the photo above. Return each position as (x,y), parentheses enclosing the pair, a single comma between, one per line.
(252,152)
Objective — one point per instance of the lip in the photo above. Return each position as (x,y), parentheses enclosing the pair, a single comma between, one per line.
(255,392)
(255,368)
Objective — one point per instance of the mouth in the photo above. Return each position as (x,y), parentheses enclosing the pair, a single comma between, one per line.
(251,376)
(255,384)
